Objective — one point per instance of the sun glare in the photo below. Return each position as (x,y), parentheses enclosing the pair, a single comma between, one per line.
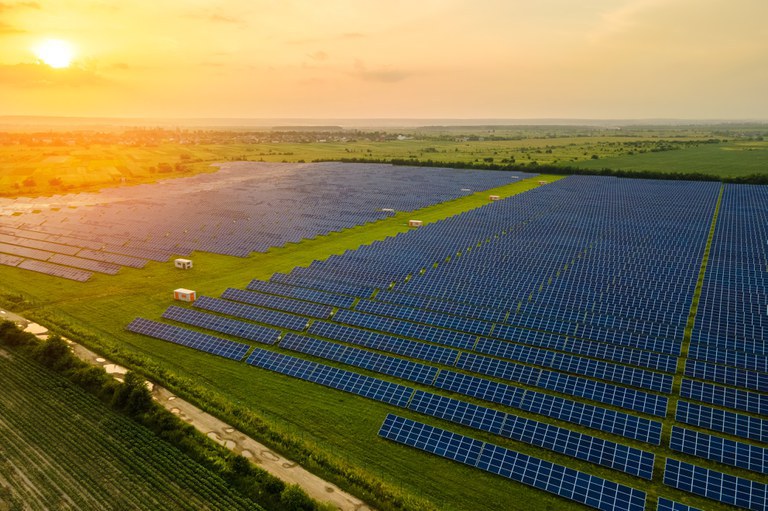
(55,52)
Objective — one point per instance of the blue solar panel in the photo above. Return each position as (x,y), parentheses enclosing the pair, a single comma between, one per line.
(728,375)
(357,357)
(234,327)
(585,447)
(722,450)
(565,482)
(383,342)
(312,295)
(253,313)
(671,505)
(725,488)
(355,383)
(406,329)
(727,397)
(473,326)
(304,308)
(191,339)
(595,417)
(567,384)
(736,424)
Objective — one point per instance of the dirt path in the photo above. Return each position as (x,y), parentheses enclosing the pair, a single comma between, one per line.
(221,432)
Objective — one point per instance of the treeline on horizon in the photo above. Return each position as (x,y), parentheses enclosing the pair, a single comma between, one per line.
(756,179)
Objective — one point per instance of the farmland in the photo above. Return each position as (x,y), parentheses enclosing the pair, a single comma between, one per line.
(63,449)
(334,433)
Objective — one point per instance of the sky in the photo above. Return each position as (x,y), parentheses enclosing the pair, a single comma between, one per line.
(331,59)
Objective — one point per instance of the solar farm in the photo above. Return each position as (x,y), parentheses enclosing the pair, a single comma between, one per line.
(596,339)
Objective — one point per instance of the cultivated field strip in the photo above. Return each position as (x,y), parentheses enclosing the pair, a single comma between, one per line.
(63,449)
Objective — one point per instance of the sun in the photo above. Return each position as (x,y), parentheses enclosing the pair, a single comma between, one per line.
(55,52)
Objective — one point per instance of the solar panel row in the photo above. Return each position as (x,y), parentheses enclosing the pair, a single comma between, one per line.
(333,299)
(191,339)
(725,488)
(578,445)
(723,421)
(253,313)
(728,397)
(372,388)
(671,505)
(313,310)
(224,325)
(722,450)
(544,475)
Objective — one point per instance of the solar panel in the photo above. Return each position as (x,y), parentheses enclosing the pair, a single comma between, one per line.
(189,338)
(671,505)
(312,295)
(355,383)
(728,397)
(595,417)
(722,450)
(725,488)
(253,313)
(377,362)
(55,270)
(278,302)
(724,421)
(585,447)
(565,482)
(234,327)
(728,375)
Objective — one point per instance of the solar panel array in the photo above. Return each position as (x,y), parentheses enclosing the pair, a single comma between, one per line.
(562,481)
(549,302)
(245,207)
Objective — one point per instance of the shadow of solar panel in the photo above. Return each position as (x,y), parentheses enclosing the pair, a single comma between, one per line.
(722,450)
(234,327)
(313,310)
(565,482)
(671,505)
(725,488)
(723,421)
(355,383)
(251,312)
(189,338)
(585,447)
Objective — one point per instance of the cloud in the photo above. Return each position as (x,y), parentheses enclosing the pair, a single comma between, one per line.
(43,76)
(6,29)
(324,39)
(318,56)
(384,75)
(5,6)
(215,17)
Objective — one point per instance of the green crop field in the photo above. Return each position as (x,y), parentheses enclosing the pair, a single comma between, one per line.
(61,448)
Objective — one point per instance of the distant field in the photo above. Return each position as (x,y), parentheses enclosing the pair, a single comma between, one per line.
(724,160)
(56,166)
(61,448)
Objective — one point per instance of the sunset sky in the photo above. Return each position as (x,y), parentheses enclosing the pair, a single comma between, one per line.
(695,59)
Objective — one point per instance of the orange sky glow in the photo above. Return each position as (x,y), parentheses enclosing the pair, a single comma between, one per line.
(693,59)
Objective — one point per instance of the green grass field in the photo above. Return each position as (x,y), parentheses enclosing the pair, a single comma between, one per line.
(731,159)
(61,448)
(336,426)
